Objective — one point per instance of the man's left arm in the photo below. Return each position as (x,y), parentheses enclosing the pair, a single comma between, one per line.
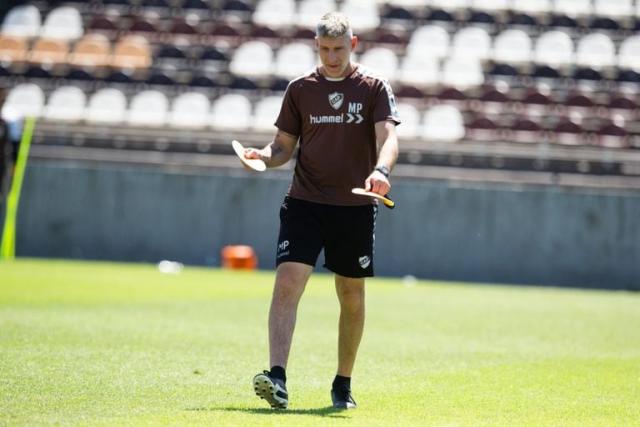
(387,143)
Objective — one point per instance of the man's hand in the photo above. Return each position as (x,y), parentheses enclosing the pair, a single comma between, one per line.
(377,183)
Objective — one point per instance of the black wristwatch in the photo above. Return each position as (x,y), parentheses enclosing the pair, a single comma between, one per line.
(383,170)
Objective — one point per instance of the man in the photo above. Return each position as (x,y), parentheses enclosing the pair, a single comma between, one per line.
(344,118)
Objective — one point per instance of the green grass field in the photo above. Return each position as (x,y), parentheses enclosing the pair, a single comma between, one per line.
(116,344)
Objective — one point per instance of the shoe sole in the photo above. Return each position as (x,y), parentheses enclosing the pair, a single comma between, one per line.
(266,389)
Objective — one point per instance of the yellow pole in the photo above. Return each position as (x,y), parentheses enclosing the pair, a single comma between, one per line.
(8,246)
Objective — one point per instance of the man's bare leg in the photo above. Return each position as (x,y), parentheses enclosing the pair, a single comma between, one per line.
(351,296)
(291,279)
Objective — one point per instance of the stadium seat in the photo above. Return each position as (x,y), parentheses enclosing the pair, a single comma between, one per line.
(13,49)
(596,50)
(629,55)
(462,73)
(294,59)
(23,100)
(148,108)
(266,113)
(185,26)
(613,8)
(49,52)
(624,106)
(362,14)
(190,110)
(512,46)
(310,11)
(131,52)
(573,8)
(22,21)
(410,127)
(381,61)
(231,111)
(482,129)
(612,135)
(490,5)
(532,6)
(554,48)
(107,106)
(252,59)
(148,26)
(419,70)
(64,22)
(471,42)
(443,123)
(275,13)
(525,130)
(93,50)
(67,103)
(433,36)
(567,132)
(579,103)
(450,5)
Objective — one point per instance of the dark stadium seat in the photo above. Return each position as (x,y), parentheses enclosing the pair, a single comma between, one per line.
(579,102)
(526,130)
(242,83)
(37,72)
(398,13)
(628,76)
(482,129)
(503,70)
(160,78)
(225,30)
(440,15)
(600,23)
(195,5)
(202,81)
(170,51)
(612,135)
(522,19)
(103,23)
(279,85)
(182,27)
(587,73)
(141,24)
(545,72)
(481,17)
(408,91)
(567,132)
(623,105)
(563,21)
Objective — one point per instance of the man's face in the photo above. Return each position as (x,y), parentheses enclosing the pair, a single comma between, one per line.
(335,54)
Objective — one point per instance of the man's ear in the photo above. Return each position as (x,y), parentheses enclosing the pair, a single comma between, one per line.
(354,42)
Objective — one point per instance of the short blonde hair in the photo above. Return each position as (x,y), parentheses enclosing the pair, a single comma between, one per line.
(334,24)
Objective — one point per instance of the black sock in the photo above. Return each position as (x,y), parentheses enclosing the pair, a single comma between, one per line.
(278,372)
(341,383)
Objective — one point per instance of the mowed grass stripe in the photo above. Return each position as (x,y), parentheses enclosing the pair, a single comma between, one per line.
(122,344)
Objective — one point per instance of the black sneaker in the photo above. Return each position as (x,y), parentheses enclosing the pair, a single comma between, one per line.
(273,390)
(342,399)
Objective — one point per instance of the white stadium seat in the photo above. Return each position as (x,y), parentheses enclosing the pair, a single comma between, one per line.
(67,103)
(310,12)
(231,111)
(64,22)
(596,50)
(462,73)
(410,127)
(294,59)
(613,8)
(512,47)
(107,106)
(532,6)
(266,113)
(435,37)
(190,110)
(554,48)
(443,123)
(419,71)
(23,100)
(275,13)
(252,59)
(148,108)
(363,15)
(629,56)
(471,42)
(573,8)
(381,61)
(495,5)
(22,21)
(449,4)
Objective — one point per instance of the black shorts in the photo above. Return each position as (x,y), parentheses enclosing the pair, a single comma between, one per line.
(345,232)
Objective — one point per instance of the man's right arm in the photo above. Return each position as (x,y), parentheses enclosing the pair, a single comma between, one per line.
(277,152)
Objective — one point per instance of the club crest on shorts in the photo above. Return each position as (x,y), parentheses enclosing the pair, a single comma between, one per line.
(336,99)
(364,261)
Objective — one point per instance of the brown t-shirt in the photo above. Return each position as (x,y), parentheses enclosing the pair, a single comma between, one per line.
(335,124)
